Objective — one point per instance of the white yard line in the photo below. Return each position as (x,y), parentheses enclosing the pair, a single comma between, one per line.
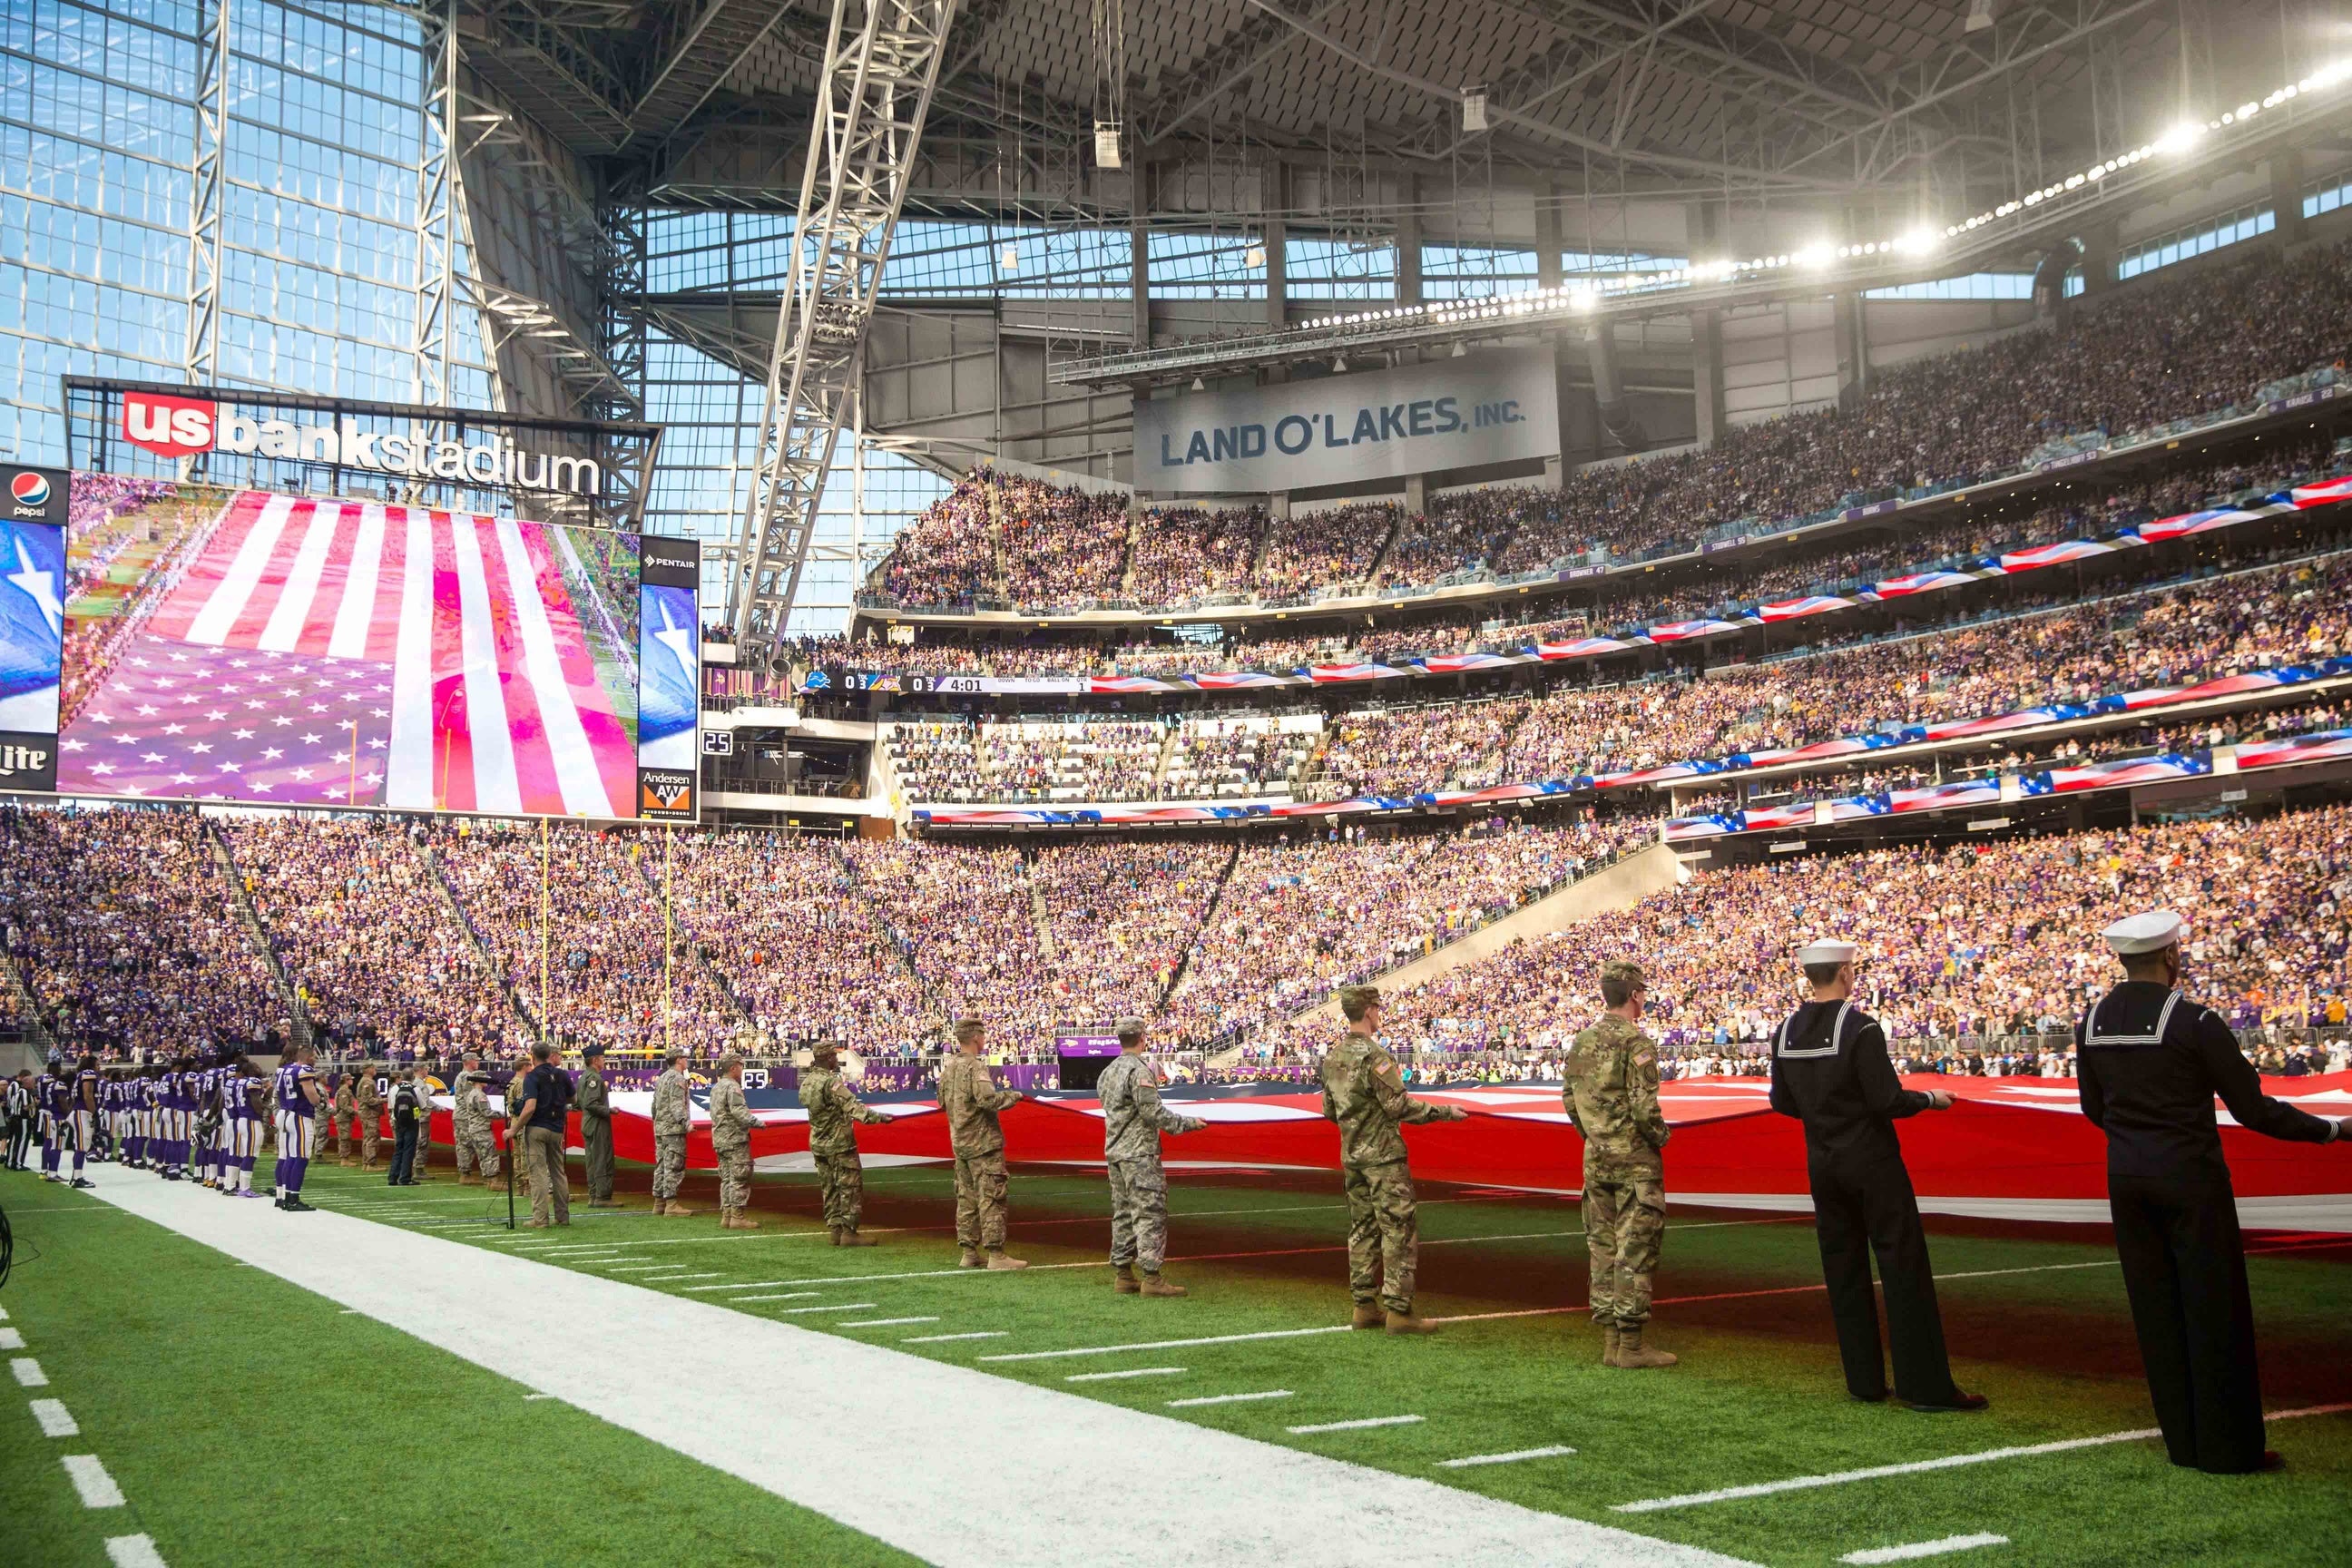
(666,1278)
(90,1478)
(1229,1398)
(1271,1503)
(1918,1549)
(1356,1425)
(56,1420)
(28,1373)
(840,1307)
(1554,1452)
(1131,1372)
(942,1339)
(133,1552)
(11,1340)
(887,1322)
(1947,1462)
(1169,1345)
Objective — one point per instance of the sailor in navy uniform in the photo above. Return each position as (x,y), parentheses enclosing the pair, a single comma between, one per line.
(1829,1069)
(2150,1062)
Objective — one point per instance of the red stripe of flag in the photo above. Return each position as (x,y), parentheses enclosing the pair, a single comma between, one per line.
(534,759)
(453,742)
(203,575)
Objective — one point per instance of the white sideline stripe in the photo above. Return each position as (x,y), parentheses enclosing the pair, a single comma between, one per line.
(785,1295)
(887,1322)
(528,1397)
(56,1420)
(848,1279)
(666,1278)
(942,1339)
(1229,1398)
(1556,1451)
(90,1478)
(1172,1344)
(1949,1461)
(1925,1549)
(11,1340)
(1131,1372)
(1357,1426)
(1277,1503)
(840,1307)
(28,1373)
(133,1552)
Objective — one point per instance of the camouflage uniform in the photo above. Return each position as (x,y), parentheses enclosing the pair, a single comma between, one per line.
(334,1114)
(1363,1091)
(367,1114)
(595,1108)
(471,1124)
(1133,1120)
(969,1095)
(1612,1095)
(673,1114)
(832,1142)
(730,1139)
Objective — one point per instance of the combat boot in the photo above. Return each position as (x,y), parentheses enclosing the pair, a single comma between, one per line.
(1410,1323)
(1607,1344)
(997,1259)
(675,1210)
(743,1220)
(1155,1286)
(1368,1316)
(1632,1357)
(465,1178)
(970,1258)
(1122,1279)
(845,1237)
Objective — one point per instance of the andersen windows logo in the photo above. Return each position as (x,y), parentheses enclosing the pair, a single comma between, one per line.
(173,427)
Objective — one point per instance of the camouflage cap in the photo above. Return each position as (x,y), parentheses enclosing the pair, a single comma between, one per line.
(729,1060)
(1128,1024)
(968,1023)
(1354,999)
(1625,970)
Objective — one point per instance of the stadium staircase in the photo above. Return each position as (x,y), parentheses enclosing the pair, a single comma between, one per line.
(1380,556)
(474,941)
(28,1010)
(1615,888)
(695,952)
(297,1012)
(899,943)
(1039,915)
(1208,914)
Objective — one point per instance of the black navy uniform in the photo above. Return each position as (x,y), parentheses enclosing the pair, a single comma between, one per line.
(1831,1069)
(2149,1063)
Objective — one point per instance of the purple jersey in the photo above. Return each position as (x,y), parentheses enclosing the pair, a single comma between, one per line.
(84,1093)
(290,1098)
(236,1096)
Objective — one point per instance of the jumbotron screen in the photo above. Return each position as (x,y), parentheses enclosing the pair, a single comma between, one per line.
(291,650)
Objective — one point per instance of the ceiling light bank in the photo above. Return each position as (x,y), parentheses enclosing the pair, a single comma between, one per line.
(1588,294)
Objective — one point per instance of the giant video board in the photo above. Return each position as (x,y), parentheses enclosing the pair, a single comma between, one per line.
(289,650)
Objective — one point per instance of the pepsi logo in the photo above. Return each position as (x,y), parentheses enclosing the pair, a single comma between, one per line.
(29,489)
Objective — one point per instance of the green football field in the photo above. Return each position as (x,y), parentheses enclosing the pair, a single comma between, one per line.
(248,1420)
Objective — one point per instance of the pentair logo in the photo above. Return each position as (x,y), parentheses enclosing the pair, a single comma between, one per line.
(29,489)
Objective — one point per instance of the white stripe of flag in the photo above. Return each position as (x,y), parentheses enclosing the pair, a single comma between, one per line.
(300,590)
(575,761)
(408,766)
(356,613)
(497,785)
(214,622)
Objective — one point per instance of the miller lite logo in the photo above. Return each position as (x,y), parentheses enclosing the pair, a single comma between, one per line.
(16,759)
(169,426)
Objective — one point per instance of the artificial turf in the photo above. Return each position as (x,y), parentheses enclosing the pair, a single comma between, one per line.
(2036,1321)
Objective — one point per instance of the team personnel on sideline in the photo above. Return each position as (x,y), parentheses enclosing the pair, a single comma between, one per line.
(240,1127)
(2150,1062)
(969,1096)
(1133,1120)
(367,1114)
(1829,1069)
(595,1108)
(673,1114)
(833,1115)
(730,1140)
(1363,1091)
(21,1102)
(1612,1095)
(539,1122)
(299,1097)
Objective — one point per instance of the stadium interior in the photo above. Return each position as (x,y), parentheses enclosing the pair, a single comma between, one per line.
(712,532)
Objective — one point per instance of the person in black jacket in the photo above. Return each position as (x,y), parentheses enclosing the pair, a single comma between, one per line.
(2149,1063)
(1831,1070)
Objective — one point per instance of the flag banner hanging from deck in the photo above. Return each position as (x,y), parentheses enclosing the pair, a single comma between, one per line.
(307,651)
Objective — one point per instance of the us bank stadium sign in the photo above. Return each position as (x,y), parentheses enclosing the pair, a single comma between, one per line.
(282,441)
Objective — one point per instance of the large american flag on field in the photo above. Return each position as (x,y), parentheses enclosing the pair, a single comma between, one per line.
(322,652)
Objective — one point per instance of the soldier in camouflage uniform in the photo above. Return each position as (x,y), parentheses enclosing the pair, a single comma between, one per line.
(730,1139)
(1612,1095)
(1133,1120)
(833,1113)
(367,1111)
(969,1095)
(595,1108)
(477,1148)
(334,1121)
(673,1115)
(1363,1091)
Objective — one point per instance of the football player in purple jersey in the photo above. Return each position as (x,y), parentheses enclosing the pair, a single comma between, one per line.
(297,1096)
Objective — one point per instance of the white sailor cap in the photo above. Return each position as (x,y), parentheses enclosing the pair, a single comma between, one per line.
(1827,951)
(2151,932)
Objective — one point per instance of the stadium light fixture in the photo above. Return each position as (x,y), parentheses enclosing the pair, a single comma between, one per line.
(1009,258)
(1254,256)
(2180,138)
(1199,385)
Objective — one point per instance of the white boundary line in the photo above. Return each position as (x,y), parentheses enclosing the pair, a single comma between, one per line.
(887,1322)
(56,1420)
(1554,1452)
(1274,1502)
(1229,1398)
(1356,1425)
(1918,1549)
(28,1371)
(1171,1345)
(1916,1467)
(943,1339)
(90,1478)
(133,1552)
(1131,1372)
